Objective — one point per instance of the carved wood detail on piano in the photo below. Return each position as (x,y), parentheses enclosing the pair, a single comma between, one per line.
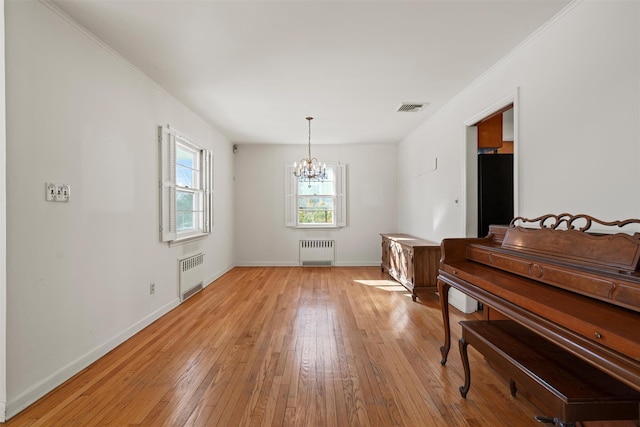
(577,288)
(568,221)
(619,252)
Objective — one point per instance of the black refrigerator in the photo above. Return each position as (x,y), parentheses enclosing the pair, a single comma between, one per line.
(495,191)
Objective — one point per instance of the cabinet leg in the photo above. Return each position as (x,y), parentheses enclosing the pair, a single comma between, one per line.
(513,388)
(465,364)
(414,296)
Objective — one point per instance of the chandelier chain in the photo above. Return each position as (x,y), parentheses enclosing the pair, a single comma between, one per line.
(309,143)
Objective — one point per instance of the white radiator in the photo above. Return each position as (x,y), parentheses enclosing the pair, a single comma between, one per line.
(190,275)
(317,252)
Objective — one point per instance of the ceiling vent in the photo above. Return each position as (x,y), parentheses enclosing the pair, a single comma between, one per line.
(411,107)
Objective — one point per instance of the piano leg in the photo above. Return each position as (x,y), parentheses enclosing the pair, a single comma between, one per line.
(465,364)
(443,290)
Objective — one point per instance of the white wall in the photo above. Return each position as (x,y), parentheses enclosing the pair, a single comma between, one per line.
(260,234)
(3,228)
(579,126)
(78,273)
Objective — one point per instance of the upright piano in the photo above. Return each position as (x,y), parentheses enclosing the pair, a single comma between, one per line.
(576,288)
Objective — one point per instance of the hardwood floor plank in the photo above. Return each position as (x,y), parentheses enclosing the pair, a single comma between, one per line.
(336,372)
(338,346)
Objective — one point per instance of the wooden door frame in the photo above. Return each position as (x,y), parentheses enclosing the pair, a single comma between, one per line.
(470,171)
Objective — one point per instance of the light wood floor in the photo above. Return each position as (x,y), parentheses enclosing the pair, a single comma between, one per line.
(287,346)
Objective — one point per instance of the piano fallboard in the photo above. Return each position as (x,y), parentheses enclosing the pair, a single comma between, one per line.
(619,288)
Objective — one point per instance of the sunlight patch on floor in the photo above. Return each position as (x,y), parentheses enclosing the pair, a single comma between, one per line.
(385,285)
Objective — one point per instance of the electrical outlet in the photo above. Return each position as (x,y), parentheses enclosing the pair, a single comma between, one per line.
(152,288)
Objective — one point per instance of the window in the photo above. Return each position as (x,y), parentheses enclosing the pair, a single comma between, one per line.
(316,204)
(316,201)
(187,187)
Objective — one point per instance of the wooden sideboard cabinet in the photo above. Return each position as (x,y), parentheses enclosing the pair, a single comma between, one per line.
(411,261)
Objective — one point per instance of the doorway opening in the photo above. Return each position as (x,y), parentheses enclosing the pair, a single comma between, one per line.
(491,167)
(495,169)
(505,110)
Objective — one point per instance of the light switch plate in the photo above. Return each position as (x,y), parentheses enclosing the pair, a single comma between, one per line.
(57,192)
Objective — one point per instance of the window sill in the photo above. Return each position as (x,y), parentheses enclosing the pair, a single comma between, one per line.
(188,238)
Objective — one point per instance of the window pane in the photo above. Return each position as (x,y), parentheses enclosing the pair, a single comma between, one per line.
(185,157)
(316,202)
(185,221)
(185,177)
(189,215)
(313,216)
(187,167)
(185,201)
(315,210)
(330,174)
(323,188)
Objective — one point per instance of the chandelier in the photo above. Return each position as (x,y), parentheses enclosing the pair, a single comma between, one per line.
(310,168)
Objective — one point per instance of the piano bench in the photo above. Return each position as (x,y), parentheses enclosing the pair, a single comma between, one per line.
(557,382)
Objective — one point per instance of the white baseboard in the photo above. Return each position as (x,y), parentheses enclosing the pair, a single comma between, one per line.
(358,264)
(267,264)
(38,390)
(297,264)
(216,276)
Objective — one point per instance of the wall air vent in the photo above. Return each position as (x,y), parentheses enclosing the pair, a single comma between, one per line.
(411,107)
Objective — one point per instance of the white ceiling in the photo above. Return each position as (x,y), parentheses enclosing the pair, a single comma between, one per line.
(255,69)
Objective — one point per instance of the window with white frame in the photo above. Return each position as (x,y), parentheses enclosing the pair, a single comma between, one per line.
(316,204)
(186,187)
